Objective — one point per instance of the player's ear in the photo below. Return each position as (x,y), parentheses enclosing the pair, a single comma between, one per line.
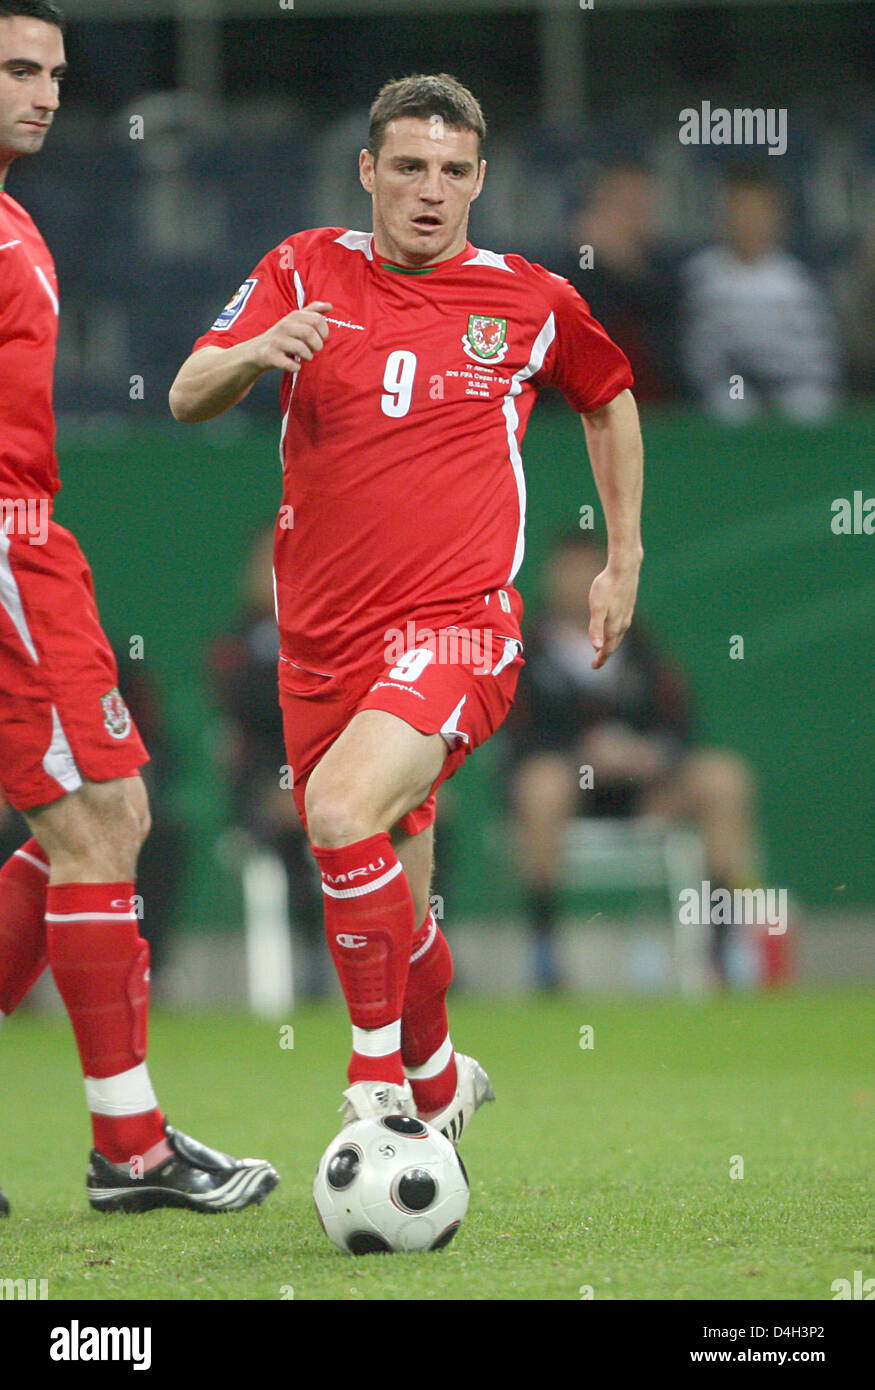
(366,170)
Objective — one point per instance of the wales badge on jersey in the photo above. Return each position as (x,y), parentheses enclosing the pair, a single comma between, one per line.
(116,715)
(486,338)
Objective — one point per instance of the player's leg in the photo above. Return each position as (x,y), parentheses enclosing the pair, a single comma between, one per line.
(100,963)
(24,880)
(413,727)
(69,752)
(544,797)
(377,770)
(448,1086)
(91,838)
(426,1047)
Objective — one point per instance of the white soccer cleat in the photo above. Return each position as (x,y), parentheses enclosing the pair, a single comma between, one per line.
(473,1087)
(373,1100)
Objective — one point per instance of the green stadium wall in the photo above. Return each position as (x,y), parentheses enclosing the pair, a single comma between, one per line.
(738,541)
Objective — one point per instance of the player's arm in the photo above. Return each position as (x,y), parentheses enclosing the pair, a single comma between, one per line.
(213,379)
(616,453)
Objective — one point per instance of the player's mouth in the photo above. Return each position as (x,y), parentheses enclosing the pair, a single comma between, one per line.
(37,125)
(427,222)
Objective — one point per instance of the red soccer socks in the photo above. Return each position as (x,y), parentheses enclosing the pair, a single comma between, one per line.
(369,923)
(24,880)
(101,967)
(427,1050)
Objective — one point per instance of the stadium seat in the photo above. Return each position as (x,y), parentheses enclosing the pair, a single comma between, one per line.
(644,853)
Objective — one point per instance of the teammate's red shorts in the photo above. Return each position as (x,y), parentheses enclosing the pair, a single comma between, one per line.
(458,681)
(62,719)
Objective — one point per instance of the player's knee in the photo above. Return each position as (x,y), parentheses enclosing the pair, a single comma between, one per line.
(334,818)
(114,825)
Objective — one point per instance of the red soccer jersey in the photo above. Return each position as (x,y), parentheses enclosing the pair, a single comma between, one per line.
(401,440)
(28,339)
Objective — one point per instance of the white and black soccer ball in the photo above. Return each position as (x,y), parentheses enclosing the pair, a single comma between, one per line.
(393,1184)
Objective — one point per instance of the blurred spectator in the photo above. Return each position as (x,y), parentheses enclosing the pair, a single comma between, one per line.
(631,285)
(629,722)
(242,667)
(754,312)
(853,291)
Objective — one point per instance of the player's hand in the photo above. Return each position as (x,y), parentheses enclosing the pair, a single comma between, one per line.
(294,340)
(611,605)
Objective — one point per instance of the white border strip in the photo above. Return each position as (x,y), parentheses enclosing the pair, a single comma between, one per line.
(437,1062)
(364,888)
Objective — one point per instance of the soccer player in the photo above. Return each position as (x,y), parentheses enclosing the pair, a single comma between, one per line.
(69,752)
(410,364)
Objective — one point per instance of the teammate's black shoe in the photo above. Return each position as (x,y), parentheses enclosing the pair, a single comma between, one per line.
(194,1176)
(4,1203)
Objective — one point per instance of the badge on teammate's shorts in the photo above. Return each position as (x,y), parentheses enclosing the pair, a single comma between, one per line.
(62,718)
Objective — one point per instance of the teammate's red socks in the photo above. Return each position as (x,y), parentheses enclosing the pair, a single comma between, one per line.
(426,1047)
(24,880)
(369,923)
(101,967)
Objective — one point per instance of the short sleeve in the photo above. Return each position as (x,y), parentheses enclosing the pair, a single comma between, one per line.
(265,297)
(582,361)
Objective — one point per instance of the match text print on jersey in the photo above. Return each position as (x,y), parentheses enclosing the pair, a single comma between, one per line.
(27,518)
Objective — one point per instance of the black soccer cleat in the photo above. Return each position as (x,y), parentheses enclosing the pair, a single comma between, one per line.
(4,1203)
(195,1177)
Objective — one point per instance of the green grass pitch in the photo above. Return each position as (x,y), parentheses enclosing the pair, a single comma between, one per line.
(604,1168)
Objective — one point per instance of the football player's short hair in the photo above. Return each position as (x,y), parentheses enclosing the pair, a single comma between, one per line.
(425,96)
(33,9)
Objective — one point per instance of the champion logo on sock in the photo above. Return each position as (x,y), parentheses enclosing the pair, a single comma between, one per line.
(351,943)
(355,873)
(121,902)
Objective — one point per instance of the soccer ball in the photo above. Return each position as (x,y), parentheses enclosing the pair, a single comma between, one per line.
(390,1184)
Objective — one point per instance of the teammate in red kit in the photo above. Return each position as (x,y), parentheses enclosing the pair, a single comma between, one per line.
(411,361)
(69,752)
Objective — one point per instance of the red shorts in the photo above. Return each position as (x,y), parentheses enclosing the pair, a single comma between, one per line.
(458,681)
(62,719)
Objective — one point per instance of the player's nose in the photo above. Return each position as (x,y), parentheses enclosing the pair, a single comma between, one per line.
(49,97)
(431,190)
